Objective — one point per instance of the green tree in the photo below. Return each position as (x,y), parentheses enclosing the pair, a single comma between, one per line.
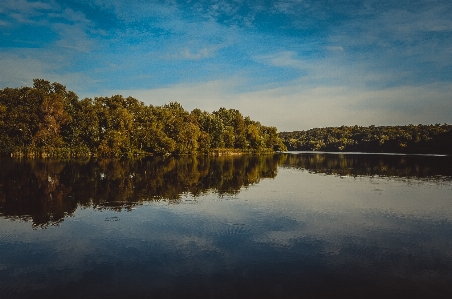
(51,116)
(181,127)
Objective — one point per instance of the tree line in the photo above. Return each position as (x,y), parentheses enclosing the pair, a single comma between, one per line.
(421,139)
(47,119)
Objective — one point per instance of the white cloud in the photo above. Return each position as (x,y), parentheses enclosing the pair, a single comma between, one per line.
(335,48)
(403,22)
(74,37)
(207,96)
(396,27)
(74,16)
(21,68)
(197,50)
(24,11)
(133,11)
(202,53)
(302,106)
(17,70)
(282,59)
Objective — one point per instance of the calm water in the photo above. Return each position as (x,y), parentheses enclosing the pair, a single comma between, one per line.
(282,226)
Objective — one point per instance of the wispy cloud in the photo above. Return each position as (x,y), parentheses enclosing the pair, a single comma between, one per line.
(24,11)
(335,48)
(74,37)
(282,59)
(202,53)
(294,64)
(301,105)
(208,96)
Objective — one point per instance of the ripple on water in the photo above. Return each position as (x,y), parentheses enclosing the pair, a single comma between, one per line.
(234,231)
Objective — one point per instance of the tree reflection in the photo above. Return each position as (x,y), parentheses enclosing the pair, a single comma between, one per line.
(402,166)
(46,191)
(34,190)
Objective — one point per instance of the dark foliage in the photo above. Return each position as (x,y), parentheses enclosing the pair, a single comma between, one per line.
(46,191)
(48,120)
(420,139)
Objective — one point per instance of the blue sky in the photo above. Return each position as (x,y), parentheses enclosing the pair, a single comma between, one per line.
(292,64)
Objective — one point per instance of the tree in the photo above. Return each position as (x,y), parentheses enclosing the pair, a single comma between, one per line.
(52,115)
(115,125)
(20,117)
(181,127)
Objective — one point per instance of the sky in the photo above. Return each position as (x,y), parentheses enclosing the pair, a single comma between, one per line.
(293,64)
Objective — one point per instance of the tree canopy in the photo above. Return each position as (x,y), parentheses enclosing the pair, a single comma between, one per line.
(48,119)
(420,139)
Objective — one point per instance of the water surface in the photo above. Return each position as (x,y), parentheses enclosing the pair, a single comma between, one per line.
(271,226)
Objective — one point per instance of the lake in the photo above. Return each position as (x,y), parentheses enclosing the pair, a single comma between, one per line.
(291,225)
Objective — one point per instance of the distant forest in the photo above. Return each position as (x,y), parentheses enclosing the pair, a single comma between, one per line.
(48,120)
(415,139)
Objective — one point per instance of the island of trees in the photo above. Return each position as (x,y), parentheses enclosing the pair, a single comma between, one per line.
(48,120)
(418,139)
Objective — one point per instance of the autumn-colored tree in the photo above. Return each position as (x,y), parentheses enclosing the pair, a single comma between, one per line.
(49,118)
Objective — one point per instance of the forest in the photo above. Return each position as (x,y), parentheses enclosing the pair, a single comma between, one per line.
(49,120)
(413,139)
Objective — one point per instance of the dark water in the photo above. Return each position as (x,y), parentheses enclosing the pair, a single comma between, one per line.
(276,226)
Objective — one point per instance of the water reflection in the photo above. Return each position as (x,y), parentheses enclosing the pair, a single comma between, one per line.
(302,234)
(399,166)
(46,191)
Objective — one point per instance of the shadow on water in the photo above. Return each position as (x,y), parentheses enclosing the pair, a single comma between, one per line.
(47,191)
